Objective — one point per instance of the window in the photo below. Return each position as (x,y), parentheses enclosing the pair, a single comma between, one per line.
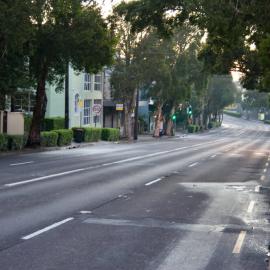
(76,103)
(97,117)
(97,82)
(87,112)
(87,82)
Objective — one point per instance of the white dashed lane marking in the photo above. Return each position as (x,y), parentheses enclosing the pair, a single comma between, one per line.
(154,181)
(57,224)
(239,243)
(21,163)
(251,207)
(193,164)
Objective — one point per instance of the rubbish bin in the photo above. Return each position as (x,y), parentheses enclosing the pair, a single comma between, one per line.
(78,135)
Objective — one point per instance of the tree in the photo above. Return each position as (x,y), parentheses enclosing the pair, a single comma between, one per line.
(64,32)
(222,92)
(238,32)
(125,77)
(255,101)
(15,32)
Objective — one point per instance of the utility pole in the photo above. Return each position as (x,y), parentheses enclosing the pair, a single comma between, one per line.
(67,97)
(136,118)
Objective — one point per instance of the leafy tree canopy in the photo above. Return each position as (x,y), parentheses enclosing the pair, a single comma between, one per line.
(238,32)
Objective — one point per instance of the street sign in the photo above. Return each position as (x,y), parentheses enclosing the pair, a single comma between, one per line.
(119,107)
(97,108)
(80,103)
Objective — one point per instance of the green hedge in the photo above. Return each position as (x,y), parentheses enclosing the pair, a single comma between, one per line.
(193,128)
(16,142)
(53,123)
(214,124)
(27,123)
(92,134)
(65,136)
(110,134)
(232,113)
(3,142)
(48,138)
(267,122)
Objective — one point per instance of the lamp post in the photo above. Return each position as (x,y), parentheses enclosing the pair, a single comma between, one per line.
(67,97)
(136,116)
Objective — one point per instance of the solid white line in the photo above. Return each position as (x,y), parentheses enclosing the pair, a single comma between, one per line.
(43,178)
(153,182)
(57,224)
(193,164)
(251,206)
(239,242)
(22,163)
(107,164)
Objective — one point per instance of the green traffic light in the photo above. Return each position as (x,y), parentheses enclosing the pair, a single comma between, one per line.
(174,117)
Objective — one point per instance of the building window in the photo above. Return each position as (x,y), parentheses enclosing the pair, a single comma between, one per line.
(97,82)
(96,118)
(87,82)
(87,112)
(76,103)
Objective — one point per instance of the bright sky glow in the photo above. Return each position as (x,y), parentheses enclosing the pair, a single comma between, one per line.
(106,5)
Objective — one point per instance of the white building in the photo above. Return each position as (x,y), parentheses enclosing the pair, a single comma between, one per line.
(85,90)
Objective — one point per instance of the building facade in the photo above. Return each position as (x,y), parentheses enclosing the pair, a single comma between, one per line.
(85,91)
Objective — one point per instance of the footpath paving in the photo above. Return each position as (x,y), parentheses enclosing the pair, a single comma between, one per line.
(141,139)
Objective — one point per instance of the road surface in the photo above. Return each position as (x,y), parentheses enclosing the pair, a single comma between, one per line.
(190,203)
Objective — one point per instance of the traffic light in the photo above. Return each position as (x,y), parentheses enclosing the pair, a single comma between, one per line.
(174,117)
(189,110)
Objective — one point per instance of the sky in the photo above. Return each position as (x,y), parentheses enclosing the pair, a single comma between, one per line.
(106,5)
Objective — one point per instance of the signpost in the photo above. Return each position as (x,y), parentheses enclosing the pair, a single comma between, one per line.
(80,104)
(97,110)
(119,107)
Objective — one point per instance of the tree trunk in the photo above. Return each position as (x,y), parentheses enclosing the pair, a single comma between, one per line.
(12,103)
(34,134)
(170,124)
(128,122)
(158,120)
(2,102)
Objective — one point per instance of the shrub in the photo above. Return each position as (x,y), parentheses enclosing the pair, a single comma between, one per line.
(49,138)
(16,142)
(64,136)
(92,134)
(211,125)
(27,123)
(78,134)
(192,128)
(53,123)
(267,122)
(3,142)
(197,128)
(110,134)
(214,124)
(232,113)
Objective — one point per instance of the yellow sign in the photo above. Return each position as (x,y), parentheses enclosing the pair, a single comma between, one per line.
(119,107)
(80,103)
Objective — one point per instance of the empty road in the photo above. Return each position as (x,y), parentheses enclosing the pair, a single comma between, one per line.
(191,202)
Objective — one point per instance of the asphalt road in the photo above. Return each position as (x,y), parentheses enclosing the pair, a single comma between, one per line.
(186,203)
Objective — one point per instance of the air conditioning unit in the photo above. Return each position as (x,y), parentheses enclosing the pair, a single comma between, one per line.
(11,123)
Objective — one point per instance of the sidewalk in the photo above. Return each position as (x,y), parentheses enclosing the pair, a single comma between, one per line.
(74,145)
